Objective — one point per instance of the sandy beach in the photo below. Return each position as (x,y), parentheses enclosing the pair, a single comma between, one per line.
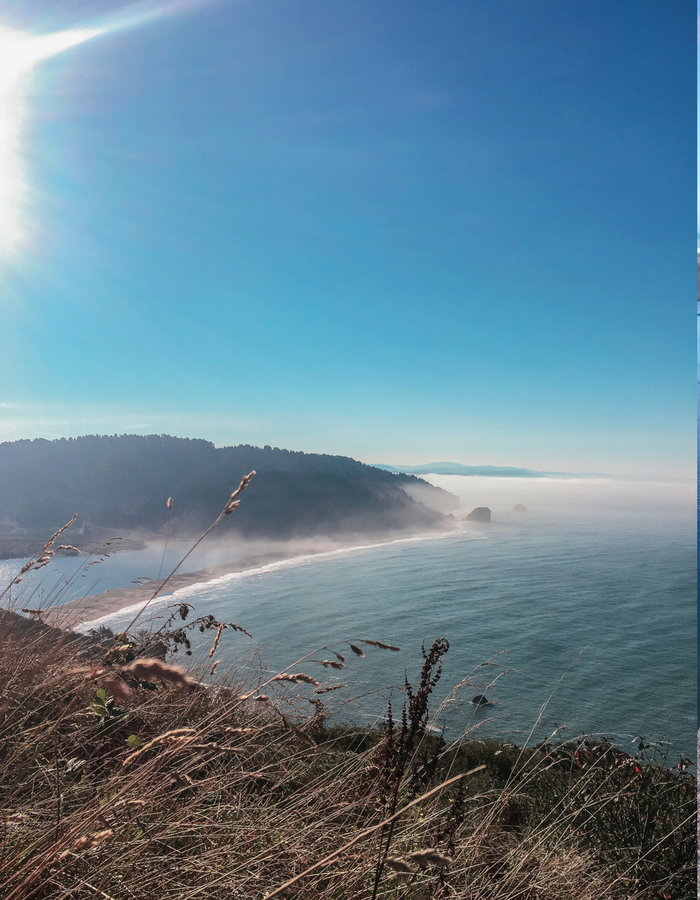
(85,609)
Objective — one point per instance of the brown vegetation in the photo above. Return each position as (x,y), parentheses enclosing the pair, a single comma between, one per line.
(125,777)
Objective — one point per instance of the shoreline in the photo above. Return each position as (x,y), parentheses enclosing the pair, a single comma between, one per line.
(95,608)
(84,610)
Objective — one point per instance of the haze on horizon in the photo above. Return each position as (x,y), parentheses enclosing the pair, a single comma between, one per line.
(398,232)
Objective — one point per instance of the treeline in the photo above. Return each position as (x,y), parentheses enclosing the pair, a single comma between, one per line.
(123,481)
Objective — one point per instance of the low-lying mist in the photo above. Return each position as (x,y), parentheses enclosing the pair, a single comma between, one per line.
(574,499)
(233,549)
(635,506)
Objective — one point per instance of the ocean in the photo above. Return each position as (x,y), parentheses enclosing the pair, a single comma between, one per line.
(578,615)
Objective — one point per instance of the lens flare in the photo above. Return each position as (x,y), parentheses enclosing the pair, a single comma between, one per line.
(20,52)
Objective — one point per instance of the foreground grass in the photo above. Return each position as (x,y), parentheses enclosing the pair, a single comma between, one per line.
(129,781)
(124,777)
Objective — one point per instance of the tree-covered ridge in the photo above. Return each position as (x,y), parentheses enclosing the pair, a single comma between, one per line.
(123,481)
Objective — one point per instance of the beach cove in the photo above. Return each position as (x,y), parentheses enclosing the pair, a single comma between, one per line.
(589,595)
(595,628)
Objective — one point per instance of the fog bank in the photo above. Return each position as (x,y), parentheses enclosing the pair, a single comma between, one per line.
(574,499)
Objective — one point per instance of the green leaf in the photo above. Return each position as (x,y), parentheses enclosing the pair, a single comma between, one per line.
(134,741)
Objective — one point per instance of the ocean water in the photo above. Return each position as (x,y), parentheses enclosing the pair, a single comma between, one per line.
(69,577)
(584,614)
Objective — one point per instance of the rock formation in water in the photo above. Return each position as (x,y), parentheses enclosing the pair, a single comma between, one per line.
(519,508)
(480,514)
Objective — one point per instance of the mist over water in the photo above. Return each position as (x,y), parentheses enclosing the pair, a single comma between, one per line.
(589,596)
(592,500)
(71,577)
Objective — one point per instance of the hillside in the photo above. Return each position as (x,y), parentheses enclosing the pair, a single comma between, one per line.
(128,778)
(123,482)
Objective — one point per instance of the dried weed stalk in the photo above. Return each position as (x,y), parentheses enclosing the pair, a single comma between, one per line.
(124,777)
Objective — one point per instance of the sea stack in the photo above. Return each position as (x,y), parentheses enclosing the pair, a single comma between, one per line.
(480,514)
(519,508)
(480,700)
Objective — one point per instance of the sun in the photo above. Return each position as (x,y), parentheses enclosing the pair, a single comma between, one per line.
(19,53)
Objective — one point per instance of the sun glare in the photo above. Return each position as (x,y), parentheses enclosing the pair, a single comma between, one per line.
(19,53)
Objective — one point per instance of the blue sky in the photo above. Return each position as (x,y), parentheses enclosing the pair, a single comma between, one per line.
(401,231)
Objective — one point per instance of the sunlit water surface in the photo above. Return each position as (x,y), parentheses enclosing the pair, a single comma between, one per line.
(595,616)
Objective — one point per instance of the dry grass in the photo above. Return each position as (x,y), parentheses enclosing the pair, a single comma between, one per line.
(126,778)
(181,791)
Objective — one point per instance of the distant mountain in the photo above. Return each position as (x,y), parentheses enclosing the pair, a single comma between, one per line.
(123,482)
(450,468)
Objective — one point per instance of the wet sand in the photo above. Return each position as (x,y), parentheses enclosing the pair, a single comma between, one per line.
(85,609)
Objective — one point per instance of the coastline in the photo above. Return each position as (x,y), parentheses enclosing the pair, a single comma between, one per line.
(84,610)
(92,610)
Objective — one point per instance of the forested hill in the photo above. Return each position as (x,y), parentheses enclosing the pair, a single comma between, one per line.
(123,482)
